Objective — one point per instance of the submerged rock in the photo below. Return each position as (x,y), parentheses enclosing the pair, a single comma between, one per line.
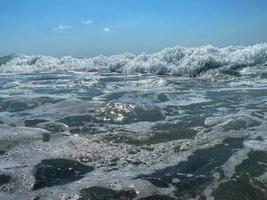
(53,172)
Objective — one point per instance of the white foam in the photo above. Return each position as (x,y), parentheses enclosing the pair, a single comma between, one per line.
(175,61)
(256,145)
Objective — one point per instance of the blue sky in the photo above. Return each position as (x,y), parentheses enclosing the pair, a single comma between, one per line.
(92,27)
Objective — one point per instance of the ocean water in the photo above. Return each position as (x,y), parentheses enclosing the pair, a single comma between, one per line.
(183,123)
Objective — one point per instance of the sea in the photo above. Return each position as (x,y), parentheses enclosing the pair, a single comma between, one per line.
(182,123)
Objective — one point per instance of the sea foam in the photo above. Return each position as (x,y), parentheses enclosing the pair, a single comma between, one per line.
(178,61)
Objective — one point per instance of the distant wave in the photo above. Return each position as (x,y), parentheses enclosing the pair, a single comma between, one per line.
(232,61)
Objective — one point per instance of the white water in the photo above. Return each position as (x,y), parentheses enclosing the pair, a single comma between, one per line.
(174,61)
(88,115)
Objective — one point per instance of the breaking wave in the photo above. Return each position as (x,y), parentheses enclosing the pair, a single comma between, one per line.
(232,61)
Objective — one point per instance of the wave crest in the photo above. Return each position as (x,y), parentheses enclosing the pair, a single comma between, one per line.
(179,61)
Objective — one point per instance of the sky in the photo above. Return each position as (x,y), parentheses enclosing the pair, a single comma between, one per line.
(86,28)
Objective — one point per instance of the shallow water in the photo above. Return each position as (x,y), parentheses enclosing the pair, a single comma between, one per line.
(98,135)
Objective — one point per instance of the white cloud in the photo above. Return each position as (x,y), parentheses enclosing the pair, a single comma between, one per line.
(107,29)
(62,27)
(87,22)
